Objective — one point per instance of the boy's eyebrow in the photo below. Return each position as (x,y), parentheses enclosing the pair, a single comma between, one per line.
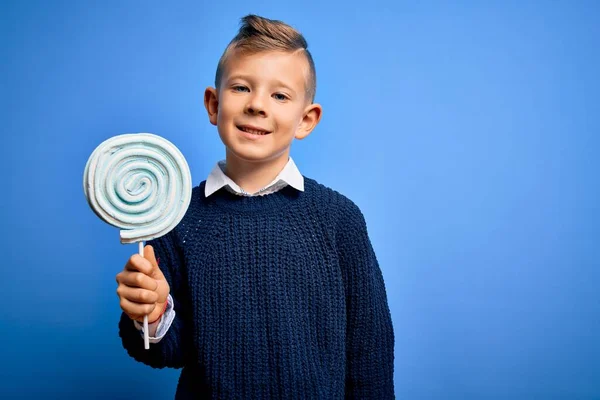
(238,76)
(277,82)
(283,84)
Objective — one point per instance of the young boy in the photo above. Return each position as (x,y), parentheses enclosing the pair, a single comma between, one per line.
(269,287)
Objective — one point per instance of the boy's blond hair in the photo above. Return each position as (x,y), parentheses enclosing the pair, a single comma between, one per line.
(259,34)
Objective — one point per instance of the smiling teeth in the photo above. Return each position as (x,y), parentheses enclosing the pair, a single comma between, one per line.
(254,132)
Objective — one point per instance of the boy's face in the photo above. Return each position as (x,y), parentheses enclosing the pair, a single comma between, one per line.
(261,105)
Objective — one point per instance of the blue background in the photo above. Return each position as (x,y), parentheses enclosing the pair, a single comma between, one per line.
(467,133)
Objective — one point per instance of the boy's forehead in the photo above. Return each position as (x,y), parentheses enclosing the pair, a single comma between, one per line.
(275,64)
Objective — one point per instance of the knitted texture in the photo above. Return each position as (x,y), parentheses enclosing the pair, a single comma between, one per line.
(277,297)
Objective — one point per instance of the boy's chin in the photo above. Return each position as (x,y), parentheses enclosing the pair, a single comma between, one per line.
(255,155)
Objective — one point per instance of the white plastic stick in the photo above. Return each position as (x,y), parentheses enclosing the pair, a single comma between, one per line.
(146,337)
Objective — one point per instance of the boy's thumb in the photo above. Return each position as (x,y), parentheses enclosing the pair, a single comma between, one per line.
(162,288)
(149,255)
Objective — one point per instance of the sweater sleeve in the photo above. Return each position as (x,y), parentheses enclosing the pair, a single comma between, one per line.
(175,349)
(369,330)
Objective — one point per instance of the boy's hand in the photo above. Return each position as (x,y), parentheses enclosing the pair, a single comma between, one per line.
(142,287)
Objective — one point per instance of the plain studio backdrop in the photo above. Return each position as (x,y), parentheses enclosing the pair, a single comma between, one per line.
(468,134)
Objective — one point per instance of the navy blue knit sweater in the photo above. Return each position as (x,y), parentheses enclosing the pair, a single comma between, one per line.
(277,297)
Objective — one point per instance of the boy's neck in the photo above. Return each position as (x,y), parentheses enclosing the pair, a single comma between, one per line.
(253,176)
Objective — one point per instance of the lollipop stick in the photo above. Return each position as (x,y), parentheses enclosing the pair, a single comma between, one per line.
(146,338)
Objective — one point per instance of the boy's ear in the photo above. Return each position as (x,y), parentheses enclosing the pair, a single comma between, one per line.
(211,103)
(312,116)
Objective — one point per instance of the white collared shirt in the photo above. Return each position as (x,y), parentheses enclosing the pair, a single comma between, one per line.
(289,175)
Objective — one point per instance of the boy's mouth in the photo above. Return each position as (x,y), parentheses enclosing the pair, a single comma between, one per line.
(253,130)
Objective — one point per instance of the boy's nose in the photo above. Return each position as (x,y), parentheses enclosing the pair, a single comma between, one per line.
(255,107)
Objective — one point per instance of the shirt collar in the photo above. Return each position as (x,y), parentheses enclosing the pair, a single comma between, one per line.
(289,175)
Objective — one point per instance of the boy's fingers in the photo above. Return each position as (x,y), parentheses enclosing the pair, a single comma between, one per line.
(139,263)
(137,279)
(136,310)
(137,295)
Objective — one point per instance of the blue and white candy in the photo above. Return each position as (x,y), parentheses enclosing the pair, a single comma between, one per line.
(139,182)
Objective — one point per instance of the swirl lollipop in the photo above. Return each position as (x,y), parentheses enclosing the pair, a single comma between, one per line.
(141,183)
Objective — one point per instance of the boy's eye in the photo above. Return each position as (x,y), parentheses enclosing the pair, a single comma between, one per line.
(280,96)
(239,88)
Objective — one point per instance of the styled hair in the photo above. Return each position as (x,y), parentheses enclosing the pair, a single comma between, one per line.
(258,34)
